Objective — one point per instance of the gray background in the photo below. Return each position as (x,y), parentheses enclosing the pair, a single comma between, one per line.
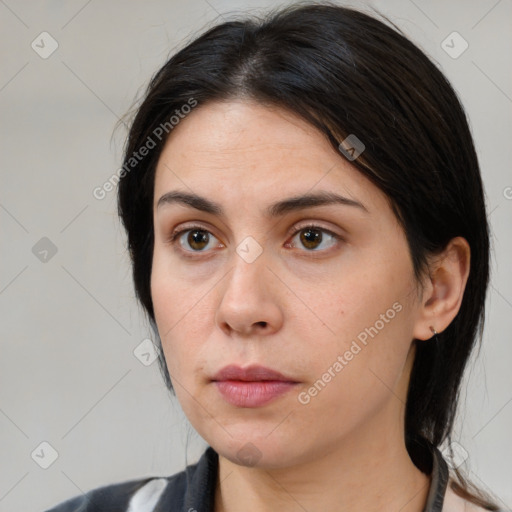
(70,324)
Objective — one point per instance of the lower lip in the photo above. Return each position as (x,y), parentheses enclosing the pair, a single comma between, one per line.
(252,393)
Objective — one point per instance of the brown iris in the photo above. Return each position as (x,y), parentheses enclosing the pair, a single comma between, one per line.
(198,237)
(310,237)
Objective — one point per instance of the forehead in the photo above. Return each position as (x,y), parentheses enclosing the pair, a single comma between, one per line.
(257,151)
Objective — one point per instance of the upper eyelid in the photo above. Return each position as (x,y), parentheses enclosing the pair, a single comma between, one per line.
(292,230)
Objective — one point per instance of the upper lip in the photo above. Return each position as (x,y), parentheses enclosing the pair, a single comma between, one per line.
(249,373)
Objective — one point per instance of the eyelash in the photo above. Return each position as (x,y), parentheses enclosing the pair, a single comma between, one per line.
(176,235)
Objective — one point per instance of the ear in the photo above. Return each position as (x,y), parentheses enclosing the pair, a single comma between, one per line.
(443,289)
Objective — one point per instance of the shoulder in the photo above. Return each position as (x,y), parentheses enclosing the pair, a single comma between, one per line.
(195,482)
(455,503)
(140,495)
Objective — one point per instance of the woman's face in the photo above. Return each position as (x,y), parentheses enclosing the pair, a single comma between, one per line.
(331,307)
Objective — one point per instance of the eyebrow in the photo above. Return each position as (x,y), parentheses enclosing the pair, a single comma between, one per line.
(276,209)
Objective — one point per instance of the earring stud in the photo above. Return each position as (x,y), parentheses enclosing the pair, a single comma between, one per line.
(433,331)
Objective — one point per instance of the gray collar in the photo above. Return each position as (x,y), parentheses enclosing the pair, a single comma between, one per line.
(440,475)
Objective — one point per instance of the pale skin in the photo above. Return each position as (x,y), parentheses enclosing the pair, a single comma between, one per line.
(295,309)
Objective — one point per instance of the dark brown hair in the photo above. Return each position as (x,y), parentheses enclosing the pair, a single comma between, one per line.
(345,72)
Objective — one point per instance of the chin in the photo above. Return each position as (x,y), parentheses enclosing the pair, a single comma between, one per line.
(256,450)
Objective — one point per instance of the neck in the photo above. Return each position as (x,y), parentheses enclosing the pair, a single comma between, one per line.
(373,473)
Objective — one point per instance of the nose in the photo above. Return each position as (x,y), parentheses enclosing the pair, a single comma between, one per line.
(249,303)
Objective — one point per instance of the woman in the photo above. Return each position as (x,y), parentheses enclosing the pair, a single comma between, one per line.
(308,233)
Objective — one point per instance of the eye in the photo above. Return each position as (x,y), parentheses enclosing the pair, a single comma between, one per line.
(312,236)
(196,237)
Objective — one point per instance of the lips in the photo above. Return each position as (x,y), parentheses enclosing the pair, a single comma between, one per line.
(253,386)
(251,373)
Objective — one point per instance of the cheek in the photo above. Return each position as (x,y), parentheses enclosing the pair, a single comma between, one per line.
(369,319)
(177,306)
(354,380)
(359,300)
(178,318)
